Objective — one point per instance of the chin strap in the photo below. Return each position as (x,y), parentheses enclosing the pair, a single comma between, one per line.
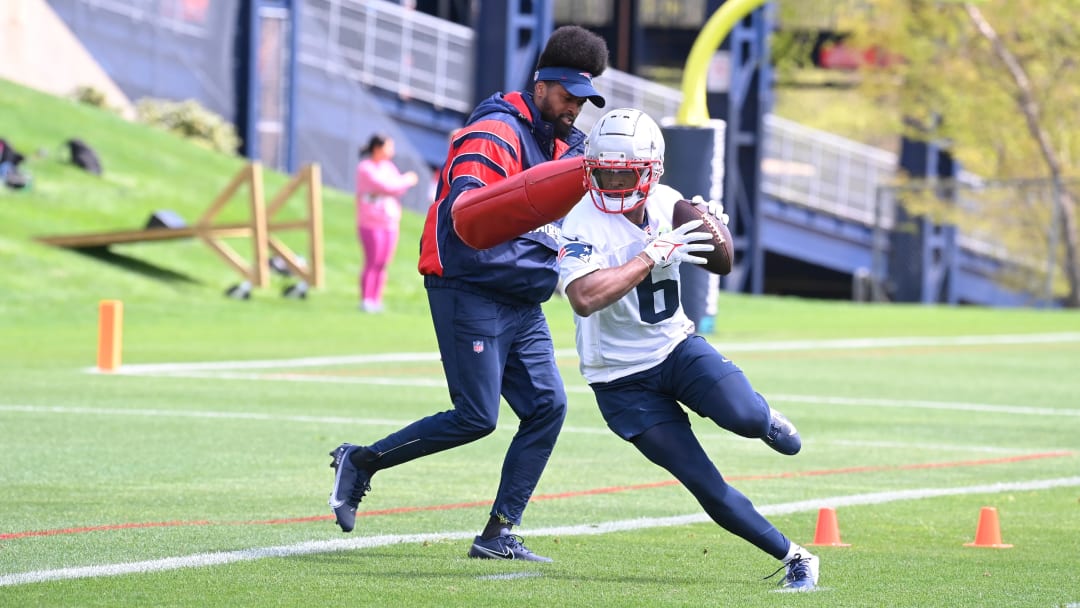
(485,217)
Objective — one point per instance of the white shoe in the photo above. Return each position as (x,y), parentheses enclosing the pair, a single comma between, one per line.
(802,572)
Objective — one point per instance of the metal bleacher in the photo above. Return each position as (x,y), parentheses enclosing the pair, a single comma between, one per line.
(422,58)
(381,44)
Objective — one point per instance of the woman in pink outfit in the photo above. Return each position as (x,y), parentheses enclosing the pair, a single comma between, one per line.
(379,184)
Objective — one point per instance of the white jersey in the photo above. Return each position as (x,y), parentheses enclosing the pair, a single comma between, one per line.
(640,330)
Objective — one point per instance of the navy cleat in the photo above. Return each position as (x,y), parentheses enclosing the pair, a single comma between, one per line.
(802,572)
(782,437)
(350,486)
(507,546)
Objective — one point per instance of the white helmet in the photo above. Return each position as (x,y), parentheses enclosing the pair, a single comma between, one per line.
(624,157)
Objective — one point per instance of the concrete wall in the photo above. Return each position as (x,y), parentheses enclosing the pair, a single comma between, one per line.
(39,51)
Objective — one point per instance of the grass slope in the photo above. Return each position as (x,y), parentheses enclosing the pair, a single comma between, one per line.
(145,170)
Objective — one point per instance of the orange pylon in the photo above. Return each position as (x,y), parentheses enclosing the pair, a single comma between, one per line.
(828,531)
(110,334)
(988,533)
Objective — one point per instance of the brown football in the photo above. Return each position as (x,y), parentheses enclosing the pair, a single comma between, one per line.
(720,259)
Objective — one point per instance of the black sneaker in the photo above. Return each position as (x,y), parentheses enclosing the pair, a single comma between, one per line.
(507,546)
(782,437)
(350,486)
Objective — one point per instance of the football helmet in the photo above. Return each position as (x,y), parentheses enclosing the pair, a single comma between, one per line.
(624,157)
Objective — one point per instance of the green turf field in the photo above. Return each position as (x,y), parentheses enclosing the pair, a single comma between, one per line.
(198,475)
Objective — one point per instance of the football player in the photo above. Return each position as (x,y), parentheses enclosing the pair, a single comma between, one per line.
(619,264)
(488,256)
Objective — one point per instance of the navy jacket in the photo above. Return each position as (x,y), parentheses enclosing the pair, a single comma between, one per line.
(505,135)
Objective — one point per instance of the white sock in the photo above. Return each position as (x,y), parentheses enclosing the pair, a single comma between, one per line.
(792,550)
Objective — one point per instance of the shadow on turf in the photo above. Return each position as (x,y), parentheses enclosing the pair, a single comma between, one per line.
(146,269)
(375,564)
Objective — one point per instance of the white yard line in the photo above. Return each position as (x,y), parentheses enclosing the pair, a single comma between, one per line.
(167,368)
(247,370)
(417,382)
(706,434)
(396,380)
(349,544)
(1023,410)
(156,413)
(902,342)
(745,347)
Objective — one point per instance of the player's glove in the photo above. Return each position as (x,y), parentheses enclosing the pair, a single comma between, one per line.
(676,246)
(716,208)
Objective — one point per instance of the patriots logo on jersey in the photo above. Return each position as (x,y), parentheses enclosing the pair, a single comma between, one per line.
(581,251)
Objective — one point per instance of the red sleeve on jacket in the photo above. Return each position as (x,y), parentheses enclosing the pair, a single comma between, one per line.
(489,151)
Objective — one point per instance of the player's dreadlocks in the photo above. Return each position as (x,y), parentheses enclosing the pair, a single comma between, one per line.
(573,46)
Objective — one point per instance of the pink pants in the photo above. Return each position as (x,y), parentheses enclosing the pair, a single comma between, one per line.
(379,245)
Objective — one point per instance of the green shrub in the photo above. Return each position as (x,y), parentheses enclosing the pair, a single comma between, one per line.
(91,97)
(189,120)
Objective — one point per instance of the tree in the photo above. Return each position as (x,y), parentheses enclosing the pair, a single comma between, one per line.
(996,79)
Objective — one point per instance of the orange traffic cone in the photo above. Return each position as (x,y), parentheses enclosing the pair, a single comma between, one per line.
(988,534)
(828,531)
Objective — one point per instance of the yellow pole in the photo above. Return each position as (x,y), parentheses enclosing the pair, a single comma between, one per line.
(110,334)
(693,111)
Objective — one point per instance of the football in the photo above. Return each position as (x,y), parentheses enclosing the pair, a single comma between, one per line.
(720,259)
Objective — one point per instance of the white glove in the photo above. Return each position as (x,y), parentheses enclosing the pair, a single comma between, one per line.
(676,246)
(716,208)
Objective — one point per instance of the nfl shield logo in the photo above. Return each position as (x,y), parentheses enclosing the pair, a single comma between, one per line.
(477,346)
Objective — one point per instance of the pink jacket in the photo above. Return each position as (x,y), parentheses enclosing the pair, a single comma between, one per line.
(378,186)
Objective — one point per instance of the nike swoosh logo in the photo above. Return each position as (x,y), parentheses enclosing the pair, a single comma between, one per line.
(495,554)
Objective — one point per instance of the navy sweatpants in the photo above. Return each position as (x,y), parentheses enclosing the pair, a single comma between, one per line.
(489,349)
(644,409)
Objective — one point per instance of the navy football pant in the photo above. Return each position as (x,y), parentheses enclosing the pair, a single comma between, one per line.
(674,446)
(488,349)
(644,409)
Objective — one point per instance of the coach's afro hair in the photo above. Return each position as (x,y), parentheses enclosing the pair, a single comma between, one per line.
(572,46)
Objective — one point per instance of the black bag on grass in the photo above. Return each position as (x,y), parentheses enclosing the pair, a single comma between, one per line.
(84,157)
